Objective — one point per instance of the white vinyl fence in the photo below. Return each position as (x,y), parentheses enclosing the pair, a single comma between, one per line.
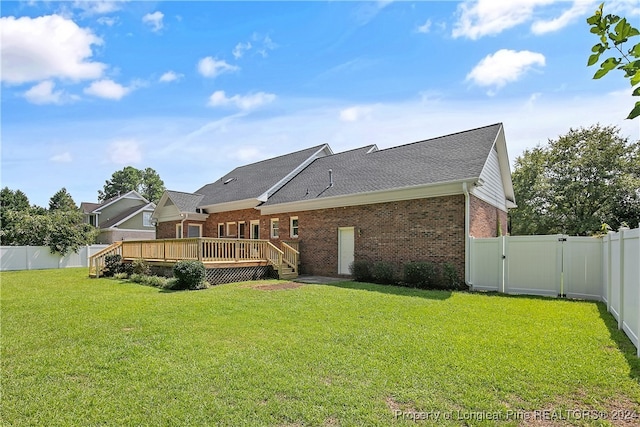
(603,269)
(40,257)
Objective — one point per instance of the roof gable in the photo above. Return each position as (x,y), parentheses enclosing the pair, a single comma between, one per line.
(257,181)
(89,207)
(127,214)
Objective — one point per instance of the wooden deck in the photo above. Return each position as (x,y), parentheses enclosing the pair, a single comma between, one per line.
(214,253)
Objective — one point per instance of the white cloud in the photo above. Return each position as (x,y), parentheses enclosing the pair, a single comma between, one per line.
(263,44)
(247,154)
(489,17)
(578,9)
(353,114)
(424,28)
(46,47)
(240,49)
(107,20)
(98,7)
(43,93)
(212,67)
(170,76)
(154,20)
(245,103)
(107,89)
(504,66)
(62,158)
(124,152)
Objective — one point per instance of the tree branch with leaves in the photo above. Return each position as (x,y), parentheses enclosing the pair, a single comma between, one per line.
(614,32)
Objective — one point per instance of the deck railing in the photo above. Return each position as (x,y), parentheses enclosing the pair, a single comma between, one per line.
(97,260)
(207,250)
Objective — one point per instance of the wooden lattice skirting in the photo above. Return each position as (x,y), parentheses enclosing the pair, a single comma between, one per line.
(216,276)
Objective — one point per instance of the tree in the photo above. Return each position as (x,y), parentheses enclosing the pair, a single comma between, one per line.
(147,182)
(63,201)
(585,178)
(62,228)
(628,61)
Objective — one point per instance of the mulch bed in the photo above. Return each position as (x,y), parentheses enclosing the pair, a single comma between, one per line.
(277,286)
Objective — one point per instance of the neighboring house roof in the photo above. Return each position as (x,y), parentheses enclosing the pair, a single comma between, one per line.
(441,162)
(90,207)
(257,181)
(126,215)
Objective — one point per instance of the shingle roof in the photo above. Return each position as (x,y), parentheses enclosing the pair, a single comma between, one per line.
(186,202)
(447,158)
(251,181)
(122,215)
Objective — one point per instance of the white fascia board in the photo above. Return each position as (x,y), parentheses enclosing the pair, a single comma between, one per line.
(505,169)
(489,200)
(231,206)
(383,196)
(278,185)
(130,195)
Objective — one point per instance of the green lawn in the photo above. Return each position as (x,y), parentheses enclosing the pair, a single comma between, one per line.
(79,351)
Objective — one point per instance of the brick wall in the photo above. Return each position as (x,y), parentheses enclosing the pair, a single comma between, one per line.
(397,232)
(167,230)
(485,219)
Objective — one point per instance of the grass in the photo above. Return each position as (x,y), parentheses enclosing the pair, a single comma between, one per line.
(79,351)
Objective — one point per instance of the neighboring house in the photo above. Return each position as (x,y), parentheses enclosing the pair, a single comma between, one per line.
(126,217)
(415,202)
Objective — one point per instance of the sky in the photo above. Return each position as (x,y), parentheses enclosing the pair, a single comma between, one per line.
(195,89)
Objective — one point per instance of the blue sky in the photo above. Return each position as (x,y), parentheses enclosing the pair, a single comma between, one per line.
(194,89)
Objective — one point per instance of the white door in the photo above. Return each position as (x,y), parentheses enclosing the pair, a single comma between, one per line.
(346,249)
(255,230)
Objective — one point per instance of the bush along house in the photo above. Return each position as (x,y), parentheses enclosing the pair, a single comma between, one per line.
(410,203)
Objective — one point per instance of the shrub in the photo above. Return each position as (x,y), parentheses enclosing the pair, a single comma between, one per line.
(383,272)
(155,281)
(112,265)
(189,274)
(450,277)
(121,276)
(140,266)
(423,275)
(361,271)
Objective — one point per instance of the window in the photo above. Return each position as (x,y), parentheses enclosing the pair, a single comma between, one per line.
(178,231)
(146,219)
(194,230)
(294,226)
(231,229)
(255,229)
(220,230)
(241,232)
(275,225)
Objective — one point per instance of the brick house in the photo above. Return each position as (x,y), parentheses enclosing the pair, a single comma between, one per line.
(414,202)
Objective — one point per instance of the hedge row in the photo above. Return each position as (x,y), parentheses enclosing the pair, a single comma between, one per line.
(422,275)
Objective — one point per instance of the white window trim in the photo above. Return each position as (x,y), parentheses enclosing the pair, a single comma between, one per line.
(251,224)
(221,227)
(245,229)
(291,219)
(230,226)
(146,219)
(271,232)
(179,231)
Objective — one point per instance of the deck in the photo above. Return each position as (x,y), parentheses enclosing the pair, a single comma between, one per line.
(213,253)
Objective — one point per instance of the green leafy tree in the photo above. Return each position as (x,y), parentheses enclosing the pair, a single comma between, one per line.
(581,180)
(614,32)
(62,228)
(147,182)
(62,201)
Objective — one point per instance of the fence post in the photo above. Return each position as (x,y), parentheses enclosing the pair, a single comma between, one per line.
(621,267)
(608,278)
(503,262)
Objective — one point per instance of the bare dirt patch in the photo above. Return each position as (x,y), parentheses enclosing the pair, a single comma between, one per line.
(276,286)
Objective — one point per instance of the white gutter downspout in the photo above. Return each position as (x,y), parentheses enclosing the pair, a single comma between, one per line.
(467,210)
(182,223)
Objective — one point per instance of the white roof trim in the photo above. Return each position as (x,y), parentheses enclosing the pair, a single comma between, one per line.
(231,206)
(382,196)
(123,196)
(278,185)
